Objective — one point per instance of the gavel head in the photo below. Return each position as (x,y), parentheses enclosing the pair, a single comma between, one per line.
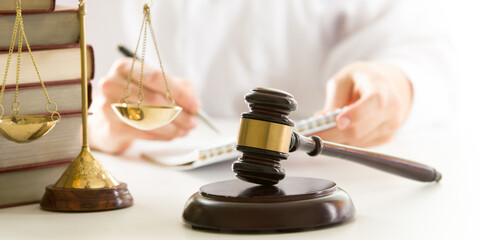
(264,136)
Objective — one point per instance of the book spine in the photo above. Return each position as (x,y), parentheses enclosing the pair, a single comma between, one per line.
(32,187)
(49,36)
(37,47)
(19,204)
(51,8)
(32,166)
(50,82)
(67,91)
(63,142)
(23,86)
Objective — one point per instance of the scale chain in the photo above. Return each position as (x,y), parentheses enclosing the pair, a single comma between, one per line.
(15,103)
(126,90)
(145,27)
(10,52)
(170,98)
(142,63)
(19,28)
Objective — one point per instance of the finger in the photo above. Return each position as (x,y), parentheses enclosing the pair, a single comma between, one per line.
(153,79)
(362,110)
(111,135)
(339,91)
(380,135)
(114,90)
(169,132)
(185,121)
(355,122)
(333,135)
(354,133)
(112,87)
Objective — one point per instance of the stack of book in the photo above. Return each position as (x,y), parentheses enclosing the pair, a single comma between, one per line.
(53,33)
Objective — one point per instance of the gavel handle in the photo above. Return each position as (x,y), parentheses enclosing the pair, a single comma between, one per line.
(398,166)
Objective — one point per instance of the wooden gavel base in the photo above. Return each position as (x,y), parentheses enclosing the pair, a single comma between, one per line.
(86,200)
(296,203)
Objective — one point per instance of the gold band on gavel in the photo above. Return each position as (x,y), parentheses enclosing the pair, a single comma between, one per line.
(264,135)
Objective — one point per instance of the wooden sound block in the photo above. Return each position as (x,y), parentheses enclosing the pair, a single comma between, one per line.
(86,199)
(296,203)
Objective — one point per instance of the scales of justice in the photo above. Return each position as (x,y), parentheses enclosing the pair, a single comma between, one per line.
(85,185)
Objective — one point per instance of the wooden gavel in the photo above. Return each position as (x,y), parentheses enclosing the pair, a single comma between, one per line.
(266,137)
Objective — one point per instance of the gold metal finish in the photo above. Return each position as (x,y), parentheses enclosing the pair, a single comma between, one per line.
(264,135)
(85,185)
(145,117)
(23,129)
(83,62)
(86,172)
(137,115)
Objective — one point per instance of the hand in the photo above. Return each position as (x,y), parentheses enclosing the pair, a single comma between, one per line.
(379,98)
(109,134)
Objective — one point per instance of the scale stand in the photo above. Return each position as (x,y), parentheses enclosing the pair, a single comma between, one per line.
(85,186)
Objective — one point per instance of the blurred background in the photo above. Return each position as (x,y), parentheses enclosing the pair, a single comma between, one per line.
(462,18)
(104,25)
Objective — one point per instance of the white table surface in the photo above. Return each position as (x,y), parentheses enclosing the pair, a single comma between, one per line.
(388,207)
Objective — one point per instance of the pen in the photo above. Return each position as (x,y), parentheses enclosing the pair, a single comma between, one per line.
(200,113)
(125,51)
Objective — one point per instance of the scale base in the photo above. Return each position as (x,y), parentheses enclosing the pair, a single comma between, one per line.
(295,204)
(86,199)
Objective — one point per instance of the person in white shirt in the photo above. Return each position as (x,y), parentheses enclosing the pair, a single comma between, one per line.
(377,57)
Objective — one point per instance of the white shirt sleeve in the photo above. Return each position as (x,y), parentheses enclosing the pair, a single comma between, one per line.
(410,35)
